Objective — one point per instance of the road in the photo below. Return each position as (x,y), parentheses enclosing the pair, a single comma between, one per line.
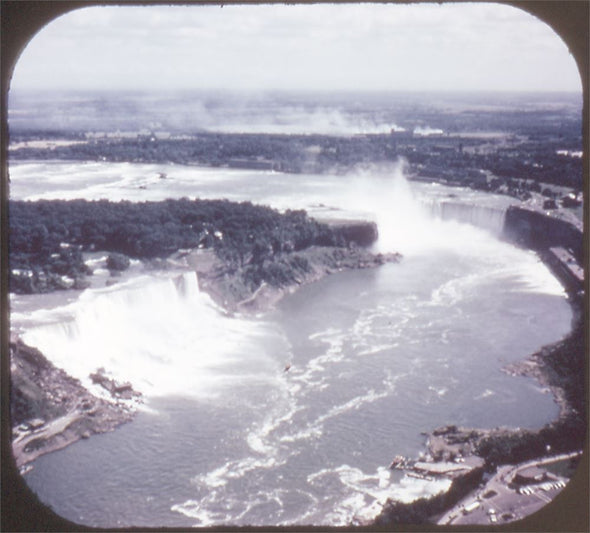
(52,428)
(497,502)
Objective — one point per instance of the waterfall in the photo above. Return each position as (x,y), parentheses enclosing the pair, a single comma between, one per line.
(415,220)
(481,216)
(158,331)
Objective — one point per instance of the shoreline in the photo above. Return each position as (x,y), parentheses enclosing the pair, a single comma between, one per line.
(51,409)
(533,366)
(446,444)
(228,289)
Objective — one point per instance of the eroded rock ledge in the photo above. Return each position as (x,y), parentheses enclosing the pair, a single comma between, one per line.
(233,289)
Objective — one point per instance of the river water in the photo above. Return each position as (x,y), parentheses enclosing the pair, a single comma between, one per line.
(226,435)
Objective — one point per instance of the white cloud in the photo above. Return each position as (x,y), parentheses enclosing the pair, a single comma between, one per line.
(322,46)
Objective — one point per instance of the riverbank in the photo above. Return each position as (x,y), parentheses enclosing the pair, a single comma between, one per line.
(557,367)
(230,289)
(51,410)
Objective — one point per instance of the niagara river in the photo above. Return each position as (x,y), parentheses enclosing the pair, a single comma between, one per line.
(226,435)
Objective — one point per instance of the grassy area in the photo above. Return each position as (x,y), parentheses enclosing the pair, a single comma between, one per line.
(564,468)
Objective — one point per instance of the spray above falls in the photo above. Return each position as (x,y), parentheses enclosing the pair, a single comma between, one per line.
(416,218)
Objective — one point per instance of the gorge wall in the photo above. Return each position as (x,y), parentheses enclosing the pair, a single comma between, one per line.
(539,232)
(559,243)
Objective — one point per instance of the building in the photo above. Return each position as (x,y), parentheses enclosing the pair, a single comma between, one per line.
(530,475)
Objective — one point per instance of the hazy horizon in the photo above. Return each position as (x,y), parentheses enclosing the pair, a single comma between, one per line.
(271,112)
(302,91)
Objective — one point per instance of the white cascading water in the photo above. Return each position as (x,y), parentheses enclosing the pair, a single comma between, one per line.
(159,332)
(409,223)
(485,217)
(419,221)
(165,336)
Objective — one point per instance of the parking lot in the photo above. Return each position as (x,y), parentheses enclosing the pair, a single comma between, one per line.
(501,500)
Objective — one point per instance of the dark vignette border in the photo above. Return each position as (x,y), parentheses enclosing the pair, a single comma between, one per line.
(20,21)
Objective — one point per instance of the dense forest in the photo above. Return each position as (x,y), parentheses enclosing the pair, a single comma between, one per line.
(47,238)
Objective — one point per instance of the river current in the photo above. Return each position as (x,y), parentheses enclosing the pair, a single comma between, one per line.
(226,435)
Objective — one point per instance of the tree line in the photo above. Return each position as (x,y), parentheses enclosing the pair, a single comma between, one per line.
(444,156)
(47,237)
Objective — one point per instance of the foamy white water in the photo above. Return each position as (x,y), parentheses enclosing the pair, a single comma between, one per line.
(376,356)
(158,331)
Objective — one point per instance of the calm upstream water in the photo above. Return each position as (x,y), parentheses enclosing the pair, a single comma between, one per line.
(225,435)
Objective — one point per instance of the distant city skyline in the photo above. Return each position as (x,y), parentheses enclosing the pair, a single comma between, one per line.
(381,47)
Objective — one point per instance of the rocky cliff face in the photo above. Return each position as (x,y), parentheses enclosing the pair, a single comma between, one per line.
(257,285)
(233,289)
(538,231)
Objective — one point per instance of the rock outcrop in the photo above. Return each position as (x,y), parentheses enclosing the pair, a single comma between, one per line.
(50,409)
(233,289)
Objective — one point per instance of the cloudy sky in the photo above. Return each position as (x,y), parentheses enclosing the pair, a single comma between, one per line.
(352,47)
